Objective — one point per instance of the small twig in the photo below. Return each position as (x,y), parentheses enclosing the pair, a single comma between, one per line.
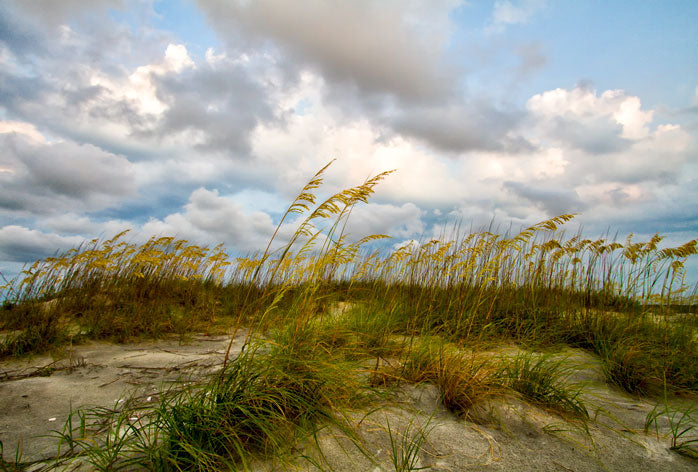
(109,383)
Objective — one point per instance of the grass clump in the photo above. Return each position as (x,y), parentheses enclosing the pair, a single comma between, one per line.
(254,407)
(406,446)
(682,424)
(542,379)
(265,402)
(464,379)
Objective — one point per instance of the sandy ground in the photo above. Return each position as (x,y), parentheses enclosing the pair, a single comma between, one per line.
(508,434)
(37,394)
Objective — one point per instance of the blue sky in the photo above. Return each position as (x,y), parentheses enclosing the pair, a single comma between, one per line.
(645,48)
(202,119)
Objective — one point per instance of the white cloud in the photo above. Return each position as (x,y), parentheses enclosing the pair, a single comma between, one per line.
(579,117)
(77,224)
(19,243)
(290,154)
(209,218)
(400,221)
(26,129)
(139,88)
(506,12)
(633,119)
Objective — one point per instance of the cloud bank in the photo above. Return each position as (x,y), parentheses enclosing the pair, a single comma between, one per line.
(108,121)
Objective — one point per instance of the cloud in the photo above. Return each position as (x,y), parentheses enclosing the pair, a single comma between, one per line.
(18,35)
(532,58)
(212,219)
(583,106)
(52,31)
(554,201)
(21,244)
(399,221)
(217,103)
(380,61)
(170,104)
(597,135)
(28,130)
(579,118)
(391,47)
(463,127)
(506,13)
(57,13)
(41,177)
(77,224)
(99,98)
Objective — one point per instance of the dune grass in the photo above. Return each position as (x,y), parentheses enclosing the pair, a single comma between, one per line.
(420,313)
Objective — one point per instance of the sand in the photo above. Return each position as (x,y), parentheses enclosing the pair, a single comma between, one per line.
(37,394)
(505,434)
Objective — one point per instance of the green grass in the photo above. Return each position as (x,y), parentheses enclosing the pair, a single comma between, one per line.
(406,446)
(682,424)
(267,400)
(423,313)
(541,379)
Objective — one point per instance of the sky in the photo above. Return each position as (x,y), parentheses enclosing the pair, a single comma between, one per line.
(202,119)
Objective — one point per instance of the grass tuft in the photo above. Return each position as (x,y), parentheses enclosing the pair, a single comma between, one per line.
(542,379)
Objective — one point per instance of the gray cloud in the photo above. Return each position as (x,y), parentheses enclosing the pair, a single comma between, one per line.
(222,103)
(532,58)
(600,135)
(379,46)
(16,91)
(52,30)
(218,104)
(41,178)
(381,60)
(50,13)
(553,201)
(21,244)
(18,35)
(463,127)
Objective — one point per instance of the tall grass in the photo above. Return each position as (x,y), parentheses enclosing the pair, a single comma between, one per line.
(424,307)
(535,286)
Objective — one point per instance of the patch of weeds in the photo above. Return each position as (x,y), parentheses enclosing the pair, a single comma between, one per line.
(14,466)
(109,439)
(36,338)
(372,331)
(463,379)
(266,401)
(406,446)
(261,406)
(683,426)
(540,378)
(625,363)
(247,410)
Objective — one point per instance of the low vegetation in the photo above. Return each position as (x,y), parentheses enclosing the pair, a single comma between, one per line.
(427,312)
